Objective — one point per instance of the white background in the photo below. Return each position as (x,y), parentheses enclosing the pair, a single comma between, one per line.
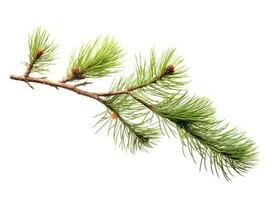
(48,149)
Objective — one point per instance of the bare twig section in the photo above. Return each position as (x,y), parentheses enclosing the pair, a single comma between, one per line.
(29,68)
(58,85)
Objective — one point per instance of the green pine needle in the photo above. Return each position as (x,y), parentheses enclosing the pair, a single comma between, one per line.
(96,59)
(127,123)
(42,50)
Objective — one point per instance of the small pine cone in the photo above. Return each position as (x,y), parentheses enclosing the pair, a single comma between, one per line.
(114,115)
(170,69)
(39,52)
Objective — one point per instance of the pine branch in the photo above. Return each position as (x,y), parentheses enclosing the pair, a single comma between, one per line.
(192,117)
(148,104)
(42,51)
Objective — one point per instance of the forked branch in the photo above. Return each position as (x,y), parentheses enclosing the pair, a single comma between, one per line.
(146,105)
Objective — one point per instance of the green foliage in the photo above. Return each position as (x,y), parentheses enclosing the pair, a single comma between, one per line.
(127,123)
(42,50)
(151,75)
(96,59)
(183,107)
(153,70)
(226,149)
(191,118)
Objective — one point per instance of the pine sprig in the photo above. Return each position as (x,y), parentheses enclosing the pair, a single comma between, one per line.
(42,51)
(226,149)
(155,75)
(147,104)
(95,59)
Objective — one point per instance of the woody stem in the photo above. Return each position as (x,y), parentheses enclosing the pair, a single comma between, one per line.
(58,85)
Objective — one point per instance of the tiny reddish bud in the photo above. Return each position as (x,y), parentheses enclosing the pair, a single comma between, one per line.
(39,52)
(114,115)
(170,69)
(76,70)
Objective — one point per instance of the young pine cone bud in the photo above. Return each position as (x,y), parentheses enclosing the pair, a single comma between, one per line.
(114,115)
(76,70)
(170,69)
(76,73)
(39,52)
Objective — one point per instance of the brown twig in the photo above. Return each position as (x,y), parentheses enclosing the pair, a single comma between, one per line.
(29,68)
(58,85)
(74,88)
